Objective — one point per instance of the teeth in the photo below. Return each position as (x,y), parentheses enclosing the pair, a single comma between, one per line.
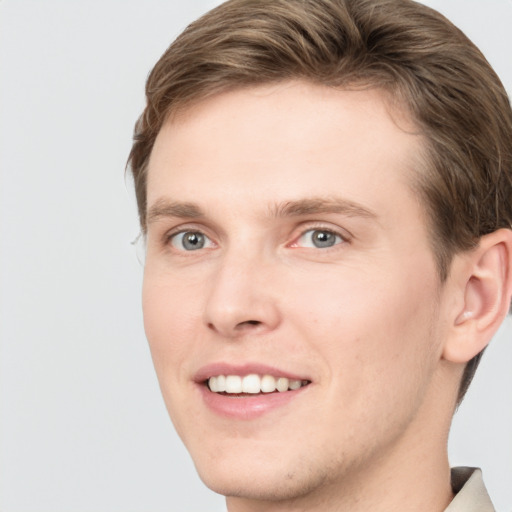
(212,384)
(233,384)
(221,383)
(282,384)
(268,384)
(295,384)
(252,384)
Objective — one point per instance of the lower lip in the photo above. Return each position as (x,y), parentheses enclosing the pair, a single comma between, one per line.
(250,406)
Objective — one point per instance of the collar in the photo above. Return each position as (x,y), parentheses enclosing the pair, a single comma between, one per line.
(470,492)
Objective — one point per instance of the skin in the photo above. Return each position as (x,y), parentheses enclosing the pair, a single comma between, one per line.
(367,319)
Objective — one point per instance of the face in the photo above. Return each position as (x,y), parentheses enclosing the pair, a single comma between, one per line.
(286,249)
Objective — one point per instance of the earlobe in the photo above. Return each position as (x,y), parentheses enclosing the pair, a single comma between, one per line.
(486,287)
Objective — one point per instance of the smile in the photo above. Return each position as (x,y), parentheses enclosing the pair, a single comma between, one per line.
(249,390)
(253,384)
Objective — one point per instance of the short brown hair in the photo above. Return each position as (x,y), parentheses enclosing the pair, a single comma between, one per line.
(405,48)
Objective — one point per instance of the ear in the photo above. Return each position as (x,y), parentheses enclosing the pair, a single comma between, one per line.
(484,284)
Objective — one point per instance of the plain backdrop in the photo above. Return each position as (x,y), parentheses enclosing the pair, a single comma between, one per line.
(83,427)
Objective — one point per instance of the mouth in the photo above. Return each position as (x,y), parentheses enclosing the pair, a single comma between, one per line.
(252,384)
(248,391)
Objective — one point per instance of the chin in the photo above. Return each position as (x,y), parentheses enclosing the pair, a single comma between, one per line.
(260,485)
(268,476)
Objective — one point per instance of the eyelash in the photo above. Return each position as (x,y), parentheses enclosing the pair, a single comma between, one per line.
(340,238)
(171,237)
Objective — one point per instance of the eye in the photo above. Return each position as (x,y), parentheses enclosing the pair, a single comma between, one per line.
(190,241)
(319,239)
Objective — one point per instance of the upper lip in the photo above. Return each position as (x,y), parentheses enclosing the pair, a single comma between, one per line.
(222,368)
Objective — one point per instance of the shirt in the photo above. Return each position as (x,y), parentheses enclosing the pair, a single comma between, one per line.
(470,492)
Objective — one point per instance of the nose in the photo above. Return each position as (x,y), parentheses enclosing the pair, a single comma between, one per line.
(242,298)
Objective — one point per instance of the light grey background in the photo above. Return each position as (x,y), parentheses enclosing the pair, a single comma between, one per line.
(82,424)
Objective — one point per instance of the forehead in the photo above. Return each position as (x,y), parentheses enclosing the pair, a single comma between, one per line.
(283,141)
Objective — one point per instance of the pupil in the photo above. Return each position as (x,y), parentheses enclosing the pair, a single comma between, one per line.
(323,239)
(193,241)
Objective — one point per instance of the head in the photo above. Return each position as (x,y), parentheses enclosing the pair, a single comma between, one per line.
(423,62)
(434,84)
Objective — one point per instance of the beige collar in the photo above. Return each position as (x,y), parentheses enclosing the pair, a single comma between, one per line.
(470,492)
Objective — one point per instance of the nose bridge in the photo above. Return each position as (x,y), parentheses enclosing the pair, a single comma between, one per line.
(241,297)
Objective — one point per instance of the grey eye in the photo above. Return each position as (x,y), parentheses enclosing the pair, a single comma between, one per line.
(319,239)
(190,241)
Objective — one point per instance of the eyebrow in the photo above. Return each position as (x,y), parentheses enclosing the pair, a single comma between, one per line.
(163,208)
(322,205)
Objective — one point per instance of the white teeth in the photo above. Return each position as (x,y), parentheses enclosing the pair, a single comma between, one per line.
(221,383)
(212,384)
(282,384)
(253,384)
(233,384)
(294,384)
(268,384)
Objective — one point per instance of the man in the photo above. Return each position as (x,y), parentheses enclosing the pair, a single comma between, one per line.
(325,190)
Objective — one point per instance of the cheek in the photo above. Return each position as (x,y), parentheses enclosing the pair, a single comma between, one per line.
(378,351)
(170,323)
(169,318)
(374,327)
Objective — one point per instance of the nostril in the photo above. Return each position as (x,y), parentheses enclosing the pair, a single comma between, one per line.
(248,323)
(239,326)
